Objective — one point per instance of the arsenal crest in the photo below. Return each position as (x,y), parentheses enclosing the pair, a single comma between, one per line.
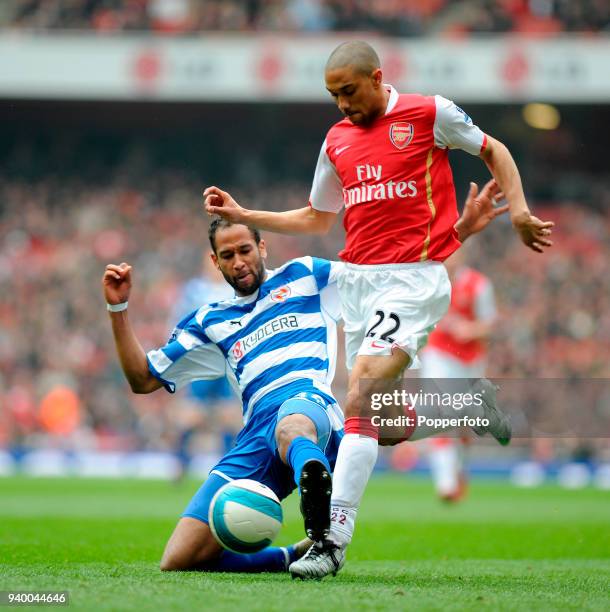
(280,295)
(401,134)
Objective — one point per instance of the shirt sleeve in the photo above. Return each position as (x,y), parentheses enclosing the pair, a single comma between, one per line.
(454,129)
(485,303)
(325,272)
(326,191)
(330,297)
(330,301)
(188,356)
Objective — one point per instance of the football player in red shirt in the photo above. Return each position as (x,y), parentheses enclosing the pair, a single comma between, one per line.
(387,163)
(457,349)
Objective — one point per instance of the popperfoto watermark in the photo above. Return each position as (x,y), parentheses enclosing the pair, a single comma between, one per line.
(440,423)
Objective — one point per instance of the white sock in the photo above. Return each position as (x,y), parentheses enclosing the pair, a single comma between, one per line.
(445,466)
(355,461)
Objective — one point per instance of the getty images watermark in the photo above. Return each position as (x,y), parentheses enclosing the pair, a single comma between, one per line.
(575,408)
(416,408)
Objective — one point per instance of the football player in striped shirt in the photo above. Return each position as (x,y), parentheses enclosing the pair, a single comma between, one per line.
(276,342)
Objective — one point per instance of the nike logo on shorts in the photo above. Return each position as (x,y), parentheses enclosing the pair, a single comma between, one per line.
(377,345)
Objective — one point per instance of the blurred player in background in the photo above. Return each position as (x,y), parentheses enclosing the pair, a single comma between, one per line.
(387,164)
(457,348)
(209,404)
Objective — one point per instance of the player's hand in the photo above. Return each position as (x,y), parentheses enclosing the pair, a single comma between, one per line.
(117,283)
(219,202)
(533,232)
(480,209)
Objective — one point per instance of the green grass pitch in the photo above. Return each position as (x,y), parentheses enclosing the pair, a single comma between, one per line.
(503,548)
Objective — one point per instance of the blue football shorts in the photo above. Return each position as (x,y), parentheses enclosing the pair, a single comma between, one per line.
(255,455)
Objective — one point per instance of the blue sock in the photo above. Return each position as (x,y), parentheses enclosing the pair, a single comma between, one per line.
(270,559)
(300,451)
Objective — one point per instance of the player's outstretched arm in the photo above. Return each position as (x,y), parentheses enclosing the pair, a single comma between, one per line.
(533,232)
(480,209)
(117,287)
(305,220)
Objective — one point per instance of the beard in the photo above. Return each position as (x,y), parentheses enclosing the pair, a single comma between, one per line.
(250,287)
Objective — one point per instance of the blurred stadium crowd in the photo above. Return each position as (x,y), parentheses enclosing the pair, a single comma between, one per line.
(389,17)
(60,382)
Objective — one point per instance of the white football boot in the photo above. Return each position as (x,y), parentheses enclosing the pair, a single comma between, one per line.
(322,559)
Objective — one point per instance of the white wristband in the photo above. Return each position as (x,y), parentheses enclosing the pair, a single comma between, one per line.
(117,307)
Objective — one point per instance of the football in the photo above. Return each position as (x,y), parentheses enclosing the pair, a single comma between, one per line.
(245,516)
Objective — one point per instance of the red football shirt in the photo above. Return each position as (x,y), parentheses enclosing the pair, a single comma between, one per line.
(394,180)
(472,299)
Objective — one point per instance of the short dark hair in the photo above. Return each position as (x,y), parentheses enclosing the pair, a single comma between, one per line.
(356,53)
(219,222)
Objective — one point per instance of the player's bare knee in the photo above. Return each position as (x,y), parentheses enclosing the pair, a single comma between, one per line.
(188,559)
(190,545)
(170,564)
(291,427)
(369,369)
(175,560)
(373,375)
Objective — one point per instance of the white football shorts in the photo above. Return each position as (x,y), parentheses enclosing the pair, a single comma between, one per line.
(439,364)
(389,306)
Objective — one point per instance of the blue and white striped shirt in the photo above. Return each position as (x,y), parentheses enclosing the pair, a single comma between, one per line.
(284,334)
